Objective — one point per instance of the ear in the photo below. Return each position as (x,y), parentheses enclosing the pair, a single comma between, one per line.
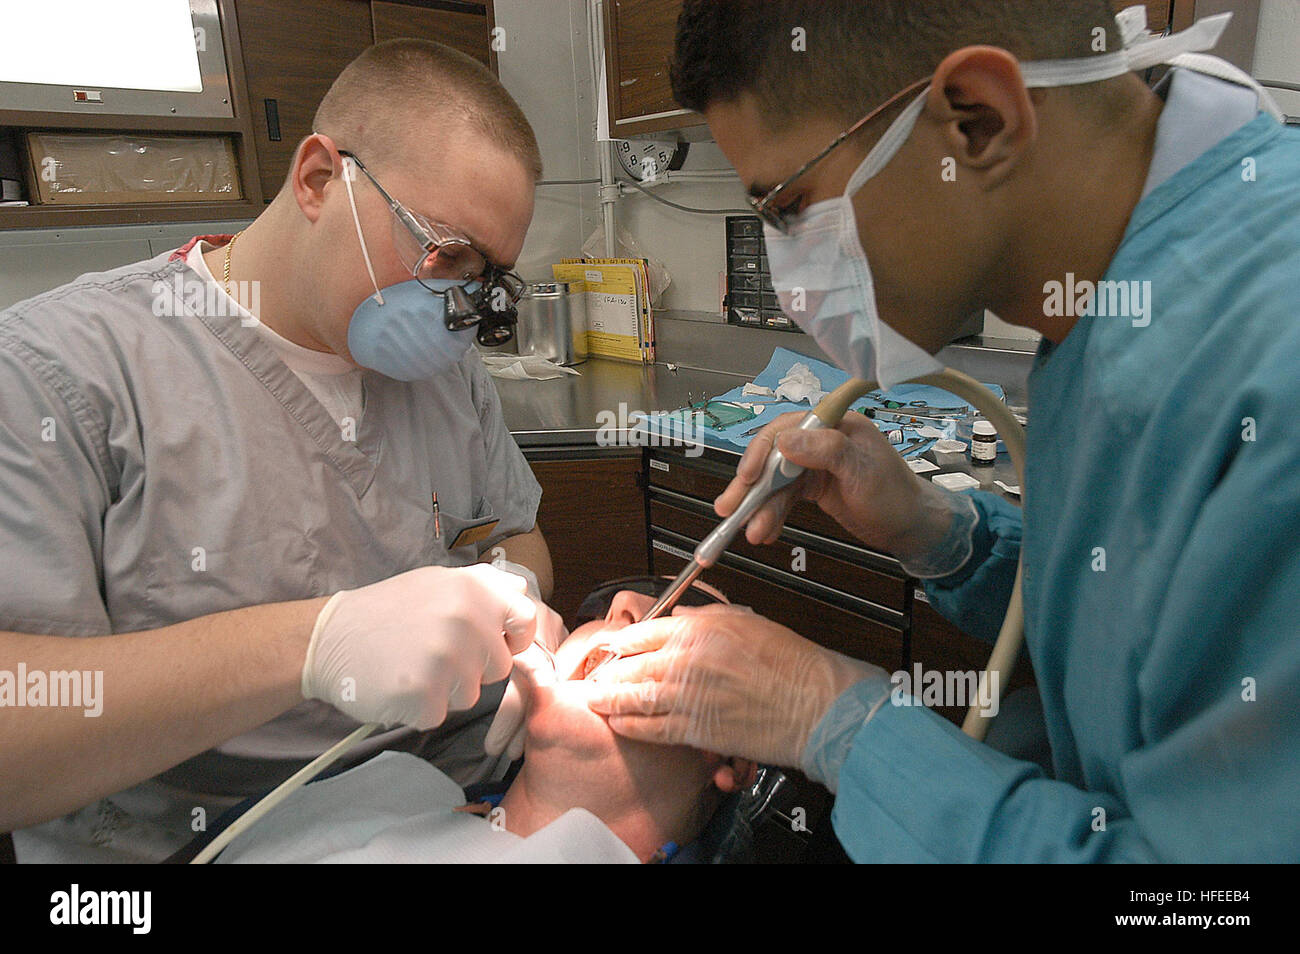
(986,112)
(735,774)
(315,163)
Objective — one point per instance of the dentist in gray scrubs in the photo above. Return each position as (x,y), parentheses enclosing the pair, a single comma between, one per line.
(218,475)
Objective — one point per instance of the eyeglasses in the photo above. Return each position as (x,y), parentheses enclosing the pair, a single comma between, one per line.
(781,218)
(433,252)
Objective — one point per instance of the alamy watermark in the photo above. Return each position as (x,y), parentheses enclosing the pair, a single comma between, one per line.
(629,428)
(1105,299)
(53,689)
(933,688)
(186,294)
(77,906)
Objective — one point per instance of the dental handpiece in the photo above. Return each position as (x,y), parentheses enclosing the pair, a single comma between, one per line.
(777,474)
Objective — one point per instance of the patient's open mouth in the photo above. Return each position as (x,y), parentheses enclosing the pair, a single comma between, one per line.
(595,656)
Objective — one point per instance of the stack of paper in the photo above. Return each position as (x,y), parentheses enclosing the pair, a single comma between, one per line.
(620,323)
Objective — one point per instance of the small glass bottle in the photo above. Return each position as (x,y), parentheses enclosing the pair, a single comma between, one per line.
(983,444)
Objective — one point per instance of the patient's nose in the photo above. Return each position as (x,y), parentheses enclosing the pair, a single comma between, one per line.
(626,608)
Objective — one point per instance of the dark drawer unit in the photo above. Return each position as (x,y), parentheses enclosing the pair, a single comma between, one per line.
(706,476)
(816,579)
(750,298)
(799,554)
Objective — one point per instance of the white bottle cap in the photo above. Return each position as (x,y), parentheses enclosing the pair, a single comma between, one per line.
(984,428)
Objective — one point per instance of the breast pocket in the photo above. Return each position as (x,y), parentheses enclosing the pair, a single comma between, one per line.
(461,536)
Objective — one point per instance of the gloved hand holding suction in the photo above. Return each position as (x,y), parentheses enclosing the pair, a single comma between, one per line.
(852,472)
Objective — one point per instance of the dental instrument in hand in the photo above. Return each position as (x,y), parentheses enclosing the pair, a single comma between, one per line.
(304,775)
(779,473)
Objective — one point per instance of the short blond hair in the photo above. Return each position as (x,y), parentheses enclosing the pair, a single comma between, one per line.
(399,84)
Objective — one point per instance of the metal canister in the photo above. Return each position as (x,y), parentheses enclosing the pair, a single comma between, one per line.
(553,322)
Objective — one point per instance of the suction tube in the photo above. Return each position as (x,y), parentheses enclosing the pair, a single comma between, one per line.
(1011,637)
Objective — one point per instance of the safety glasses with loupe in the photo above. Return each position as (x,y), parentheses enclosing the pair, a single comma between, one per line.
(433,251)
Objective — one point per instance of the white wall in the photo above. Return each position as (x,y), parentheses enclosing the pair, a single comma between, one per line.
(1277,50)
(692,246)
(36,260)
(545,67)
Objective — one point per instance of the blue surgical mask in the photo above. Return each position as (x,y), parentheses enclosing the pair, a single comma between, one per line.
(401,332)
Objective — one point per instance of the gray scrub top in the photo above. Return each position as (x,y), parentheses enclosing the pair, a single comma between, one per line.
(159,462)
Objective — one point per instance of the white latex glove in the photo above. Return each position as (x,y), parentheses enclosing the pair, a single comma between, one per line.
(722,679)
(506,734)
(534,588)
(409,649)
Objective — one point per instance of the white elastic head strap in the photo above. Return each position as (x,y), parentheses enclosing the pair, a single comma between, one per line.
(350,173)
(1141,51)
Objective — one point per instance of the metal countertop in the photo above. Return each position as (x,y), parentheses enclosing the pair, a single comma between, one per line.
(562,413)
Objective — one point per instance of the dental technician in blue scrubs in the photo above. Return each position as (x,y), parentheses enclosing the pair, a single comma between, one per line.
(1152,236)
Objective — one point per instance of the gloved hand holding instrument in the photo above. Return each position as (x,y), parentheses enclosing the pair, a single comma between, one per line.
(407,650)
(678,697)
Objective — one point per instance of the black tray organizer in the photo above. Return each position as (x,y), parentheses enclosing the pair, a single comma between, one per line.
(750,299)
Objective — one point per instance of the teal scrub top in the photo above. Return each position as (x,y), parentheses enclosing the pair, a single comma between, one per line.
(1161,543)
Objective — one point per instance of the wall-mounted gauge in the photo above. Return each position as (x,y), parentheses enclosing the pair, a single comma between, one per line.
(644,159)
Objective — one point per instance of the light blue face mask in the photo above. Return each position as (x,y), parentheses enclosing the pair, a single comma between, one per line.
(402,333)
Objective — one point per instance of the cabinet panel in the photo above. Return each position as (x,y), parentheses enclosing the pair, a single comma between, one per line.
(840,574)
(639,40)
(468,30)
(1159,12)
(593,517)
(281,67)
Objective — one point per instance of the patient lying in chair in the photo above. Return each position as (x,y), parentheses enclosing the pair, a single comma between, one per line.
(583,794)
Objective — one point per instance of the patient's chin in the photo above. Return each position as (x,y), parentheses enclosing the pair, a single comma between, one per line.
(561,715)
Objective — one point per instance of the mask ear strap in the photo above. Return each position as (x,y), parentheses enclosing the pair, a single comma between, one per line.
(349,173)
(892,141)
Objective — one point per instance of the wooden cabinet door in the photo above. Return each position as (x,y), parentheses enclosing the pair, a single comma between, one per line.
(1159,12)
(593,517)
(639,39)
(293,51)
(462,26)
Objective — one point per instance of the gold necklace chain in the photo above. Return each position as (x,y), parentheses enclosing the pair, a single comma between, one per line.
(225,271)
